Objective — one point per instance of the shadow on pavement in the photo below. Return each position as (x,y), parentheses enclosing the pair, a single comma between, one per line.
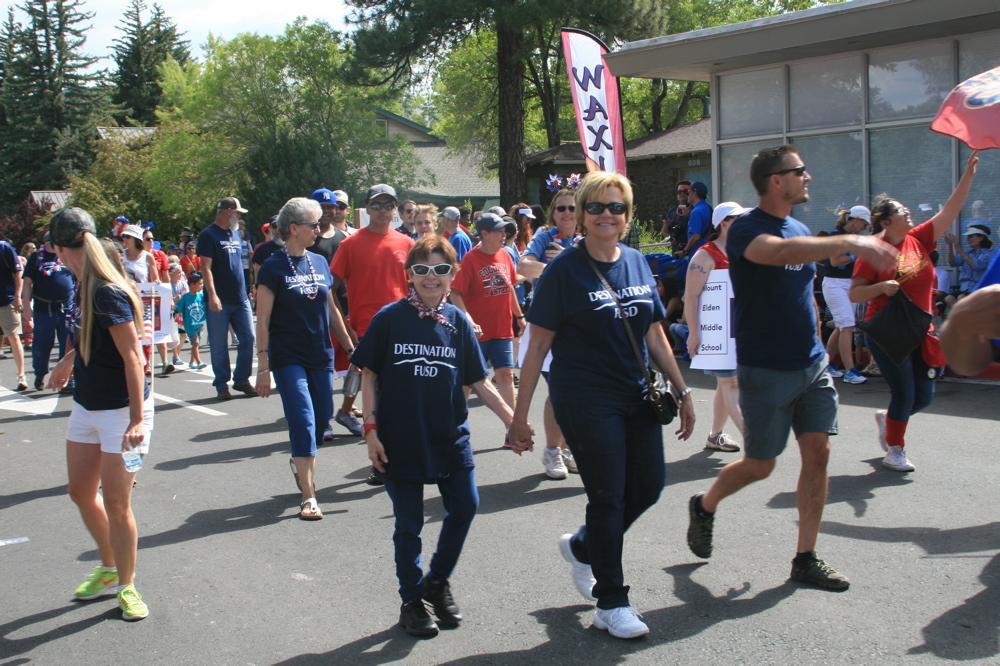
(968,631)
(7,501)
(699,466)
(36,417)
(393,645)
(855,491)
(498,497)
(249,431)
(223,457)
(15,646)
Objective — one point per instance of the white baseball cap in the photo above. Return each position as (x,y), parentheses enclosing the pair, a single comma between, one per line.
(861,213)
(727,209)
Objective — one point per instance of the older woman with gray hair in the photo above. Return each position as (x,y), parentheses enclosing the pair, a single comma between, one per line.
(295,316)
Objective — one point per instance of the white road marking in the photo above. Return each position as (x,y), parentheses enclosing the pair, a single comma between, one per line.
(18,402)
(182,403)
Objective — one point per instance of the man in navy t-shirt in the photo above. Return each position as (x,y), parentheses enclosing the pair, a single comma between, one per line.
(699,220)
(781,363)
(221,252)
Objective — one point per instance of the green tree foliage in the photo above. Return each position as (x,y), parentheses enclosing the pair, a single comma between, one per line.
(266,119)
(52,102)
(144,45)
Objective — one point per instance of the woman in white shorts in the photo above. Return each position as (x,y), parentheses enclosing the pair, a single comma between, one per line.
(112,411)
(837,274)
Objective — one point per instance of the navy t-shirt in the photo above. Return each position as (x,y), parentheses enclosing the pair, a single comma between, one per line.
(775,305)
(592,358)
(844,272)
(300,326)
(10,264)
(225,249)
(700,222)
(422,414)
(263,251)
(50,279)
(100,384)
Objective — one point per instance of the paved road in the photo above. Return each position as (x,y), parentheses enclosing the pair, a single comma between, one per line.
(233,577)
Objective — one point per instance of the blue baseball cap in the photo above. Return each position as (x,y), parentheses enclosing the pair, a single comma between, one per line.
(324,196)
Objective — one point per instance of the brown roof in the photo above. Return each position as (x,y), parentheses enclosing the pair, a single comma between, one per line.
(694,137)
(454,175)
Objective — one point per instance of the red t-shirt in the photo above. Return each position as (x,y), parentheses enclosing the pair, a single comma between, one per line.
(485,282)
(913,271)
(189,265)
(371,264)
(162,264)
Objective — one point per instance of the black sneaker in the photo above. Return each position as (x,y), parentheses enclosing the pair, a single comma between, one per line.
(416,620)
(39,383)
(439,596)
(224,394)
(167,368)
(246,389)
(818,572)
(699,529)
(374,479)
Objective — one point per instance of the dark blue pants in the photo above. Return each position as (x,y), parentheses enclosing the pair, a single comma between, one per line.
(619,450)
(50,324)
(461,500)
(910,388)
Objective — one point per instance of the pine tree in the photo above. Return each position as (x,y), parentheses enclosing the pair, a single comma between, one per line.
(143,47)
(53,101)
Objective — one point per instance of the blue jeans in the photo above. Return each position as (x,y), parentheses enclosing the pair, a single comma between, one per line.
(910,388)
(619,450)
(307,399)
(50,324)
(461,500)
(240,317)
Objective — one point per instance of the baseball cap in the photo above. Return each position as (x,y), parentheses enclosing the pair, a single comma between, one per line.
(452,214)
(862,213)
(498,210)
(489,222)
(133,230)
(526,212)
(231,203)
(699,188)
(378,190)
(323,195)
(68,226)
(340,196)
(727,209)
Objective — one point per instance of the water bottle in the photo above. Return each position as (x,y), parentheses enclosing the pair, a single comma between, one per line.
(133,461)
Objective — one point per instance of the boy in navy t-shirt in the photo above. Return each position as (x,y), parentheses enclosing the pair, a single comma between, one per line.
(781,363)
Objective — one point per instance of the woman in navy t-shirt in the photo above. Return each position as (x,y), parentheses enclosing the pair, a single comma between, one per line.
(415,358)
(597,385)
(112,411)
(295,315)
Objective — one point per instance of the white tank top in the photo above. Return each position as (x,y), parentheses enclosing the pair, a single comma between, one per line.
(139,267)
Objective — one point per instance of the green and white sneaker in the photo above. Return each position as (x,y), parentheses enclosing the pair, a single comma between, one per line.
(98,584)
(131,603)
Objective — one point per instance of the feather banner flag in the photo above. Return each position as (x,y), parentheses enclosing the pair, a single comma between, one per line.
(596,100)
(971,112)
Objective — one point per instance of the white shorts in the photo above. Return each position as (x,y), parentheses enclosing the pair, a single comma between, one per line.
(835,292)
(107,426)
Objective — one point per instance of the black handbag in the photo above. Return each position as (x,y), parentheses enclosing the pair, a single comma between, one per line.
(659,393)
(899,328)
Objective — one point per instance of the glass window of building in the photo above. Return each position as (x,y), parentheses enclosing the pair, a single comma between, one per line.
(751,103)
(734,165)
(835,163)
(910,82)
(825,93)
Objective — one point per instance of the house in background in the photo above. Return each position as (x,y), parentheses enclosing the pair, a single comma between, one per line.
(50,200)
(455,177)
(854,85)
(655,164)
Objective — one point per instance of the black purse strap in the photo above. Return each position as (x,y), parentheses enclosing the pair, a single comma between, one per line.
(621,311)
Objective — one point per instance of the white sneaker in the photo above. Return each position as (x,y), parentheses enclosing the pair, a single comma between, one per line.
(555,468)
(621,622)
(569,461)
(896,460)
(834,372)
(722,442)
(583,577)
(880,416)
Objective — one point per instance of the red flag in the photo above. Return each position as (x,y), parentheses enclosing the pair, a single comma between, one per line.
(971,112)
(596,100)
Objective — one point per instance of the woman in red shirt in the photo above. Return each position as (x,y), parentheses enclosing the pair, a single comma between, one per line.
(911,385)
(190,262)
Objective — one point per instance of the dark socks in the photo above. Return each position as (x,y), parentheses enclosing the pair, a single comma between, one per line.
(701,509)
(802,559)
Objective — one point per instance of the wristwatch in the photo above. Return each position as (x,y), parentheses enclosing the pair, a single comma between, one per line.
(684,393)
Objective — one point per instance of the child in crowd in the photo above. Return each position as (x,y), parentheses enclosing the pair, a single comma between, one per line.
(192,306)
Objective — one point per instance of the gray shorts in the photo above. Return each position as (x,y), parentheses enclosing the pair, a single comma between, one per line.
(776,401)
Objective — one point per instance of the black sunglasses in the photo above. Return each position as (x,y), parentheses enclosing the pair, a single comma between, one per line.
(424,269)
(306,224)
(342,206)
(597,207)
(799,170)
(376,206)
(563,209)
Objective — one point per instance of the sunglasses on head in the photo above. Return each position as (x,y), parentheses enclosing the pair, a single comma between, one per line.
(563,209)
(424,269)
(799,170)
(597,207)
(376,206)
